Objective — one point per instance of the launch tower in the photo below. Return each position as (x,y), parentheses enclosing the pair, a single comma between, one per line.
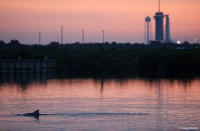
(168,39)
(159,25)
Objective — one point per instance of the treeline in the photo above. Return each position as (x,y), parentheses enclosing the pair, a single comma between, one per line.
(112,59)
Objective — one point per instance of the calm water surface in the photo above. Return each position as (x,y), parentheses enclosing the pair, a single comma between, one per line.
(102,105)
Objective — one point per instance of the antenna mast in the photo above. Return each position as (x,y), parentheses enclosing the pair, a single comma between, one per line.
(103,33)
(83,36)
(61,35)
(39,38)
(158,5)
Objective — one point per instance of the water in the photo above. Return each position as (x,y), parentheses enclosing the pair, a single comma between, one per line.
(101,105)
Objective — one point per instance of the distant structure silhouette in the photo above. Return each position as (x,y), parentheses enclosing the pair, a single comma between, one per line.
(159,24)
(103,36)
(61,35)
(39,38)
(147,29)
(83,36)
(168,39)
(159,33)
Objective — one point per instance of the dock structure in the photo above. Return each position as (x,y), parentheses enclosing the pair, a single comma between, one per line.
(13,68)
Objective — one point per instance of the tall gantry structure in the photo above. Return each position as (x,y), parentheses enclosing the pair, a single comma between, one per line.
(159,25)
(168,39)
(159,32)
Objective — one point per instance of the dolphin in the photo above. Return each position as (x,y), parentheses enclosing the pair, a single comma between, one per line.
(35,114)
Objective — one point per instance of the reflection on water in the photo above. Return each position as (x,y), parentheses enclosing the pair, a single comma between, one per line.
(106,104)
(24,78)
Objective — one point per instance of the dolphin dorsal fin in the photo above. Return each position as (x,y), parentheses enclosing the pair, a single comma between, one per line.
(36,112)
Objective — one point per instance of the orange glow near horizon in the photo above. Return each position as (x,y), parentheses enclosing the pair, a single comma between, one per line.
(123,21)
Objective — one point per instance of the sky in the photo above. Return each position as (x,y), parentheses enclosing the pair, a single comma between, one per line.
(122,20)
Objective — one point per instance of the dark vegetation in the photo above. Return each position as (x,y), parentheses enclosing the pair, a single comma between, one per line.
(112,59)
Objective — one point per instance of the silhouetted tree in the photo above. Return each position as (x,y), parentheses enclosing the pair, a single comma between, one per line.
(14,42)
(2,43)
(186,43)
(54,43)
(155,42)
(97,59)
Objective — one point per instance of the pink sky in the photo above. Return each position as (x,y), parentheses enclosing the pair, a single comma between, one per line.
(122,20)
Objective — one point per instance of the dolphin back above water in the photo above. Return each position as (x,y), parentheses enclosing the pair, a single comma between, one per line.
(35,114)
